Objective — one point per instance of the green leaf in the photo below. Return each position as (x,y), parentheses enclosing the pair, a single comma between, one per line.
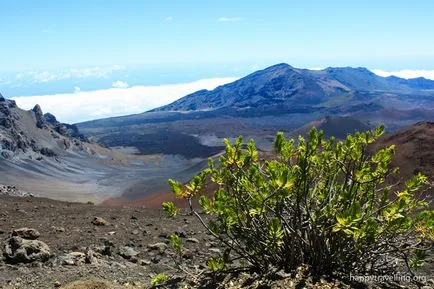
(170,209)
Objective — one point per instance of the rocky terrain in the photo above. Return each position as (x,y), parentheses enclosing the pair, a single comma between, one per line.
(52,244)
(53,159)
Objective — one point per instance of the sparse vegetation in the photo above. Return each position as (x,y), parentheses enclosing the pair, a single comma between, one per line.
(170,208)
(216,264)
(321,203)
(176,243)
(159,279)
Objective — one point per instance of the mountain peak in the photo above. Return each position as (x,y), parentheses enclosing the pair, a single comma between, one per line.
(284,88)
(279,66)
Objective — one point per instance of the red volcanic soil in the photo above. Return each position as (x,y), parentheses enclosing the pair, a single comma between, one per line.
(153,201)
(414,149)
(156,199)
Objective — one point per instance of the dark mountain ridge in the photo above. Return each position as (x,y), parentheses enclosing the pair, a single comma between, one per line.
(278,98)
(286,87)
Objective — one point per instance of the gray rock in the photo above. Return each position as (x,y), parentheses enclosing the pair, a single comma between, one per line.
(192,240)
(90,258)
(181,233)
(127,252)
(161,247)
(73,258)
(144,262)
(98,221)
(214,250)
(26,233)
(19,250)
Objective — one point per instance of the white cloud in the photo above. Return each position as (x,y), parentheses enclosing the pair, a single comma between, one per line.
(88,105)
(120,84)
(406,73)
(230,19)
(47,76)
(169,18)
(77,89)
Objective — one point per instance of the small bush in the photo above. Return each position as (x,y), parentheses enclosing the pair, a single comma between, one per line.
(159,279)
(323,203)
(176,242)
(170,209)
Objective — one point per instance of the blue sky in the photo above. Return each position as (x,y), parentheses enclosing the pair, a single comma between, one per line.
(54,34)
(154,52)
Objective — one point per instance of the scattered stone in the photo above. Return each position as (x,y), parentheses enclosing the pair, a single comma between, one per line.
(57,284)
(19,250)
(127,252)
(144,262)
(181,234)
(156,259)
(135,232)
(73,258)
(26,233)
(214,250)
(98,221)
(161,247)
(90,258)
(192,240)
(187,254)
(58,229)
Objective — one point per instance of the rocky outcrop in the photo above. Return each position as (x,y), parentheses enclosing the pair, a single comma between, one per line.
(51,119)
(33,133)
(39,116)
(13,191)
(22,247)
(68,130)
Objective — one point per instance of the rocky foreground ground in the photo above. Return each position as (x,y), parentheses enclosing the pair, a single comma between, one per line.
(52,244)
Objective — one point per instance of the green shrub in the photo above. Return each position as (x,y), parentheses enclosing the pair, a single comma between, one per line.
(159,279)
(170,208)
(176,242)
(323,203)
(216,264)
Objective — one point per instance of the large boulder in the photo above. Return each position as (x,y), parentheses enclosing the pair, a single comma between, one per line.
(19,250)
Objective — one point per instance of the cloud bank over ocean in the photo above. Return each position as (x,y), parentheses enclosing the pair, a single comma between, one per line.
(116,101)
(406,73)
